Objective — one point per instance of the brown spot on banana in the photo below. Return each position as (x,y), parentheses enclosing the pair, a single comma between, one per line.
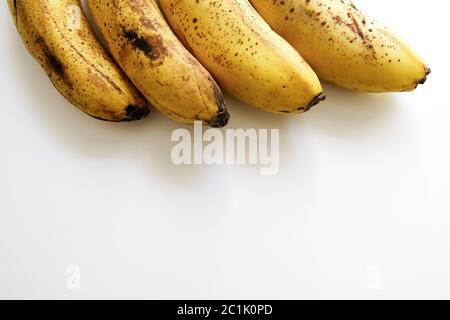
(51,62)
(152,46)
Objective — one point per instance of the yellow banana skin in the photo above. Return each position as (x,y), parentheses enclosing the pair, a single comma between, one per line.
(76,63)
(157,63)
(246,57)
(344,46)
(12,7)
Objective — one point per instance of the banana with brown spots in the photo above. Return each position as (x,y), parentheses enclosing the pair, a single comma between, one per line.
(246,57)
(344,46)
(157,63)
(58,36)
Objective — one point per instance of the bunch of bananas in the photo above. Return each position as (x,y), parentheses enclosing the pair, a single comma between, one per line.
(169,54)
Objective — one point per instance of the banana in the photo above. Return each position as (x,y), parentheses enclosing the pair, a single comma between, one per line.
(157,63)
(13,8)
(246,57)
(58,36)
(344,46)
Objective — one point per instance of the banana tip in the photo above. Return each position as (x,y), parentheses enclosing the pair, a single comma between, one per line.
(317,99)
(221,120)
(222,117)
(424,79)
(134,113)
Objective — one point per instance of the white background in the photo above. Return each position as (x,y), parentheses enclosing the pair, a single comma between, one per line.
(360,208)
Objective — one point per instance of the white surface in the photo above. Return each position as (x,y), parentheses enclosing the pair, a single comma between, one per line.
(360,208)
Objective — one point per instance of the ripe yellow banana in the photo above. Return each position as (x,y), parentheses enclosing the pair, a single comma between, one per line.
(58,36)
(344,46)
(246,57)
(155,60)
